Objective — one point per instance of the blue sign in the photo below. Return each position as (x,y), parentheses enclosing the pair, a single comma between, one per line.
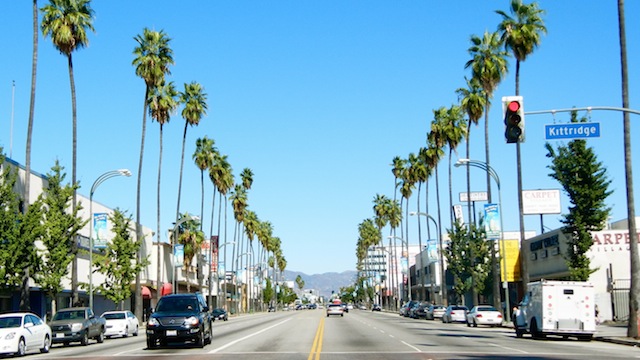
(492,221)
(178,254)
(572,131)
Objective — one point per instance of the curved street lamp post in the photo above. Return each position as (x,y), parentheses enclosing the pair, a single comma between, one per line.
(491,171)
(102,178)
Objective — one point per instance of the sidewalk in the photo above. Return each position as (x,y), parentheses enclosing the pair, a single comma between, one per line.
(614,332)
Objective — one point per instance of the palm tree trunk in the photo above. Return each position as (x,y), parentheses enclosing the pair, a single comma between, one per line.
(139,235)
(158,273)
(633,329)
(27,177)
(184,140)
(74,248)
(443,275)
(423,293)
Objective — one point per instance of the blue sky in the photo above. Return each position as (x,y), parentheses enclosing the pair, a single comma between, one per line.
(316,98)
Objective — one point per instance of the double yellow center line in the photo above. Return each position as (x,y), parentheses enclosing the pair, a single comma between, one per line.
(316,349)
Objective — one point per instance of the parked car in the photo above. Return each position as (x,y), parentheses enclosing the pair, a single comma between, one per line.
(220,314)
(419,311)
(77,324)
(335,309)
(22,332)
(376,307)
(484,315)
(455,313)
(180,318)
(406,308)
(434,312)
(120,323)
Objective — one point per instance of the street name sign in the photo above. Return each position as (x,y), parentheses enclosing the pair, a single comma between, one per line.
(572,131)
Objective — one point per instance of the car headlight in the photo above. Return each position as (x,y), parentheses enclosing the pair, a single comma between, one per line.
(10,335)
(193,321)
(76,327)
(153,322)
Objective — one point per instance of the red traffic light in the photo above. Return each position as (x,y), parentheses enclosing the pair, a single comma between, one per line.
(514,106)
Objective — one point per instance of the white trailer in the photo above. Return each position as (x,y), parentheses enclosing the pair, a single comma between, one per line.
(565,308)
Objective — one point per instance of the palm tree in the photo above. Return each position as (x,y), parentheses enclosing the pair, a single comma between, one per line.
(191,238)
(162,104)
(203,157)
(195,107)
(152,59)
(634,293)
(521,34)
(454,129)
(433,154)
(406,190)
(489,66)
(67,22)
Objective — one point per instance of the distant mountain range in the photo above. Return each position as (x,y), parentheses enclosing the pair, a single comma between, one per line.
(323,283)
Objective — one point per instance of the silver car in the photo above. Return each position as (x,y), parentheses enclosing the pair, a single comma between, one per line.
(335,309)
(455,313)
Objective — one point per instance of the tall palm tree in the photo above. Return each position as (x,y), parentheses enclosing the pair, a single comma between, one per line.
(195,107)
(488,66)
(68,23)
(203,157)
(634,293)
(454,128)
(521,33)
(162,104)
(153,56)
(406,190)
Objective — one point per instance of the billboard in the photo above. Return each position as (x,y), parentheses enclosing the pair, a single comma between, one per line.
(536,202)
(512,257)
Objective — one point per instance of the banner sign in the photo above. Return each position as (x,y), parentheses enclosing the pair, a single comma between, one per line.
(492,221)
(178,255)
(100,230)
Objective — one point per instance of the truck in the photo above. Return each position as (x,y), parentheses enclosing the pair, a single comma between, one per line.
(564,308)
(77,324)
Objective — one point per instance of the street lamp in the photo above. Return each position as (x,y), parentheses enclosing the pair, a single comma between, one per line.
(491,171)
(443,278)
(408,267)
(174,233)
(102,178)
(218,272)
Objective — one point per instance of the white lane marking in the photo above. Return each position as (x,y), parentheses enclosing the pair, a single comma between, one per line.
(247,337)
(411,346)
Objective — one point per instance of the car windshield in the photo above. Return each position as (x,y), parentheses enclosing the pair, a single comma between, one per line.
(176,304)
(114,316)
(10,322)
(69,315)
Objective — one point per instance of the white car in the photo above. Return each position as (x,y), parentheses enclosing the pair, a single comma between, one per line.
(455,313)
(22,332)
(484,315)
(120,323)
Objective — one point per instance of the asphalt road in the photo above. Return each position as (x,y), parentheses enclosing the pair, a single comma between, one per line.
(309,334)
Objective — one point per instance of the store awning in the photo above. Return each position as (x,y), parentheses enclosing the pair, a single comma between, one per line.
(166,289)
(146,292)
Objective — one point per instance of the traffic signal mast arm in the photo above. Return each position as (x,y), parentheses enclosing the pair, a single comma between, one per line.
(588,108)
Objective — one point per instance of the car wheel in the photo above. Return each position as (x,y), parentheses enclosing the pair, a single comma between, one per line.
(85,338)
(200,340)
(100,337)
(135,333)
(22,348)
(126,332)
(46,345)
(151,343)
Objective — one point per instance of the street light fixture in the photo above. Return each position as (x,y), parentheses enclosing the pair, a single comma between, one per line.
(443,278)
(491,171)
(102,178)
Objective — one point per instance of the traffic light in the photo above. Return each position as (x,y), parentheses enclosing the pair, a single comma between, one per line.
(513,109)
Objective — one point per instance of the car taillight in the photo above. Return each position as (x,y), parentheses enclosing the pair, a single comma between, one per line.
(478,315)
(499,316)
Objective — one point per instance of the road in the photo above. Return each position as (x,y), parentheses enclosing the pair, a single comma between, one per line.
(309,334)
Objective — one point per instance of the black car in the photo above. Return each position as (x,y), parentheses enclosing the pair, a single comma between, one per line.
(220,314)
(376,307)
(180,318)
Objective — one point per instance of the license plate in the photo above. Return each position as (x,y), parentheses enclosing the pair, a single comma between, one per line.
(59,335)
(172,332)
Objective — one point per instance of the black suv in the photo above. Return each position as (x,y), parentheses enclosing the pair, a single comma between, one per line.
(179,318)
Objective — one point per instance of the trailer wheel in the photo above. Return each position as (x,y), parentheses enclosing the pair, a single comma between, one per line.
(535,333)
